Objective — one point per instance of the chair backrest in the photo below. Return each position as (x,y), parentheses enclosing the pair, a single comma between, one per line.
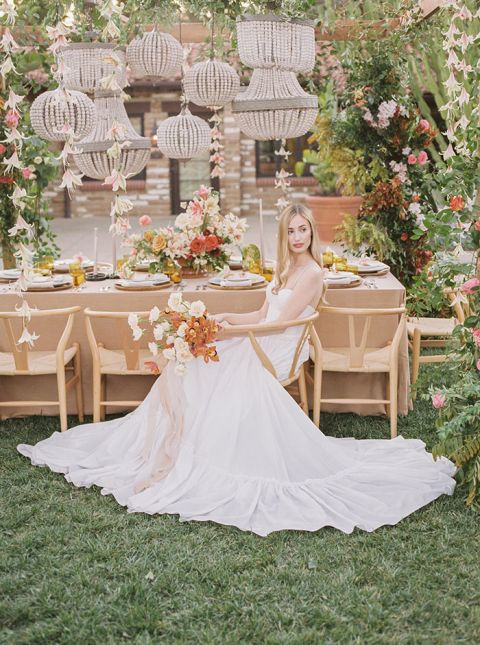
(362,318)
(20,352)
(307,332)
(130,347)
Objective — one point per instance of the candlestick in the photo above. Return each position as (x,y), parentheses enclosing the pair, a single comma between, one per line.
(95,250)
(114,255)
(262,241)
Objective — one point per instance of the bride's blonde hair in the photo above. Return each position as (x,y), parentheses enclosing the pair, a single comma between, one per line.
(283,252)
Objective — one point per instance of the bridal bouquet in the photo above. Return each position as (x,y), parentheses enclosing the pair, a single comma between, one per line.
(198,240)
(183,331)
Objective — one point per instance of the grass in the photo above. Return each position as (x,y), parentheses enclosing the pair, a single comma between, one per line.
(76,568)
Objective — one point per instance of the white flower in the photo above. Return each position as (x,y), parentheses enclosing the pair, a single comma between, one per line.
(154,314)
(182,351)
(133,324)
(170,340)
(21,225)
(153,349)
(17,197)
(169,354)
(415,208)
(181,329)
(12,162)
(180,369)
(197,309)
(175,303)
(158,332)
(406,151)
(25,310)
(449,152)
(70,180)
(37,160)
(27,337)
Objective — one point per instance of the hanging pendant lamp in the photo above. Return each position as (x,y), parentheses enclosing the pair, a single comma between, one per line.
(51,111)
(183,136)
(155,54)
(86,64)
(211,83)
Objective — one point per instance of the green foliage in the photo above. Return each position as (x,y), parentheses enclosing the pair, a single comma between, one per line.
(358,234)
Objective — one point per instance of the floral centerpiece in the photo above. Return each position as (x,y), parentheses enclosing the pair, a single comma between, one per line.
(183,331)
(198,241)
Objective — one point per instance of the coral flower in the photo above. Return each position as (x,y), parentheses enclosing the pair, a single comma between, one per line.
(211,242)
(198,245)
(411,159)
(422,158)
(144,220)
(457,203)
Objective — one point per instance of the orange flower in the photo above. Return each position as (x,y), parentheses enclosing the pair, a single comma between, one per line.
(152,366)
(457,203)
(211,242)
(198,245)
(148,236)
(158,243)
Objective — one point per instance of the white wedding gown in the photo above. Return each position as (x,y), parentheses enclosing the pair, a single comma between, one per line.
(227,443)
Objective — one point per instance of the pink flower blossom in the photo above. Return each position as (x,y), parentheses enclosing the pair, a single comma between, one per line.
(11,119)
(476,336)
(438,400)
(2,148)
(145,220)
(203,192)
(422,158)
(477,225)
(478,365)
(27,173)
(470,285)
(424,124)
(411,159)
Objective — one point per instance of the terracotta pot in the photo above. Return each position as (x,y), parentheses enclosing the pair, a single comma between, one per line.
(328,213)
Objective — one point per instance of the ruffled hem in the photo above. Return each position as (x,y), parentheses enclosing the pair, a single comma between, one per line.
(390,480)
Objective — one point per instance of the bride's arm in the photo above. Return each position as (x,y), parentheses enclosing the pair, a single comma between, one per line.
(306,292)
(248,318)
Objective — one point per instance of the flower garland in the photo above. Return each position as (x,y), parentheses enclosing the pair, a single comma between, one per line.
(217,158)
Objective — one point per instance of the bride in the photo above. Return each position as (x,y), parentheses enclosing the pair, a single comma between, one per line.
(225,442)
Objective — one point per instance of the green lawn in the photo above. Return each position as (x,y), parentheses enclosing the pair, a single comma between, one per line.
(76,568)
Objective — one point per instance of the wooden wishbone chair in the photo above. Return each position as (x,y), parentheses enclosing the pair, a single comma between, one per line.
(126,359)
(434,332)
(362,358)
(296,372)
(21,361)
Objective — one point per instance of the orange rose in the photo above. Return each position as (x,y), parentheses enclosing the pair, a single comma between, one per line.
(198,245)
(148,236)
(158,243)
(457,203)
(211,242)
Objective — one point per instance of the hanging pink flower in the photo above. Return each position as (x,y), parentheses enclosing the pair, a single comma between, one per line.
(11,119)
(438,400)
(144,220)
(411,159)
(476,336)
(422,158)
(424,124)
(470,285)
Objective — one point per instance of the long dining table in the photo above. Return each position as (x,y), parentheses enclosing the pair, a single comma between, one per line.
(386,292)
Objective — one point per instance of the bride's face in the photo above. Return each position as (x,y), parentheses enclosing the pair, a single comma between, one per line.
(299,235)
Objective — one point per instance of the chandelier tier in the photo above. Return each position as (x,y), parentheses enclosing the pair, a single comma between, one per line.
(155,54)
(183,136)
(274,106)
(55,109)
(93,159)
(89,65)
(211,83)
(270,41)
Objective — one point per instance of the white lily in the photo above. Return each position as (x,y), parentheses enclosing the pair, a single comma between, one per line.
(27,337)
(21,225)
(18,196)
(25,310)
(449,152)
(13,100)
(154,314)
(116,180)
(8,44)
(7,66)
(70,180)
(12,162)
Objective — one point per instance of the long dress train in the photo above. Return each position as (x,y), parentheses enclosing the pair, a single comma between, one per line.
(227,443)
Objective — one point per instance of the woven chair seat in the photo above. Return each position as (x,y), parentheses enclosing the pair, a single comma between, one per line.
(431,326)
(337,359)
(112,361)
(39,362)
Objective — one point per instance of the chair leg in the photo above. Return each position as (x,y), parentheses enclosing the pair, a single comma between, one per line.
(103,394)
(96,395)
(302,386)
(317,393)
(62,398)
(393,388)
(77,365)
(415,358)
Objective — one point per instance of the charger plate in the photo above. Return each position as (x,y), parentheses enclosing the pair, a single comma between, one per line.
(349,285)
(152,287)
(366,274)
(244,287)
(61,287)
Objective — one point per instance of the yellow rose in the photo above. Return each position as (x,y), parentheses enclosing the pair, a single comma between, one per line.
(148,236)
(158,243)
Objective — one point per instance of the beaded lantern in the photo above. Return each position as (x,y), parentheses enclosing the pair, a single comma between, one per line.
(87,64)
(270,41)
(183,136)
(211,83)
(53,110)
(155,54)
(274,106)
(93,160)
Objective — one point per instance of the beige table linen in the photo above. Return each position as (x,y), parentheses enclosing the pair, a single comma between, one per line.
(390,293)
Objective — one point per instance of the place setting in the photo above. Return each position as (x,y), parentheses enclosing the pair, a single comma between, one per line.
(237,281)
(151,282)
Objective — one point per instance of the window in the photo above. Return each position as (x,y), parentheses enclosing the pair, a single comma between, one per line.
(267,162)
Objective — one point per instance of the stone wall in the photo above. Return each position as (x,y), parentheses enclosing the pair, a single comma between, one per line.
(239,189)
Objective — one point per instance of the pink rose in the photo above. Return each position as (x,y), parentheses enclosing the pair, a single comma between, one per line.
(438,400)
(411,159)
(145,220)
(424,124)
(470,285)
(422,158)
(11,119)
(477,225)
(27,173)
(476,337)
